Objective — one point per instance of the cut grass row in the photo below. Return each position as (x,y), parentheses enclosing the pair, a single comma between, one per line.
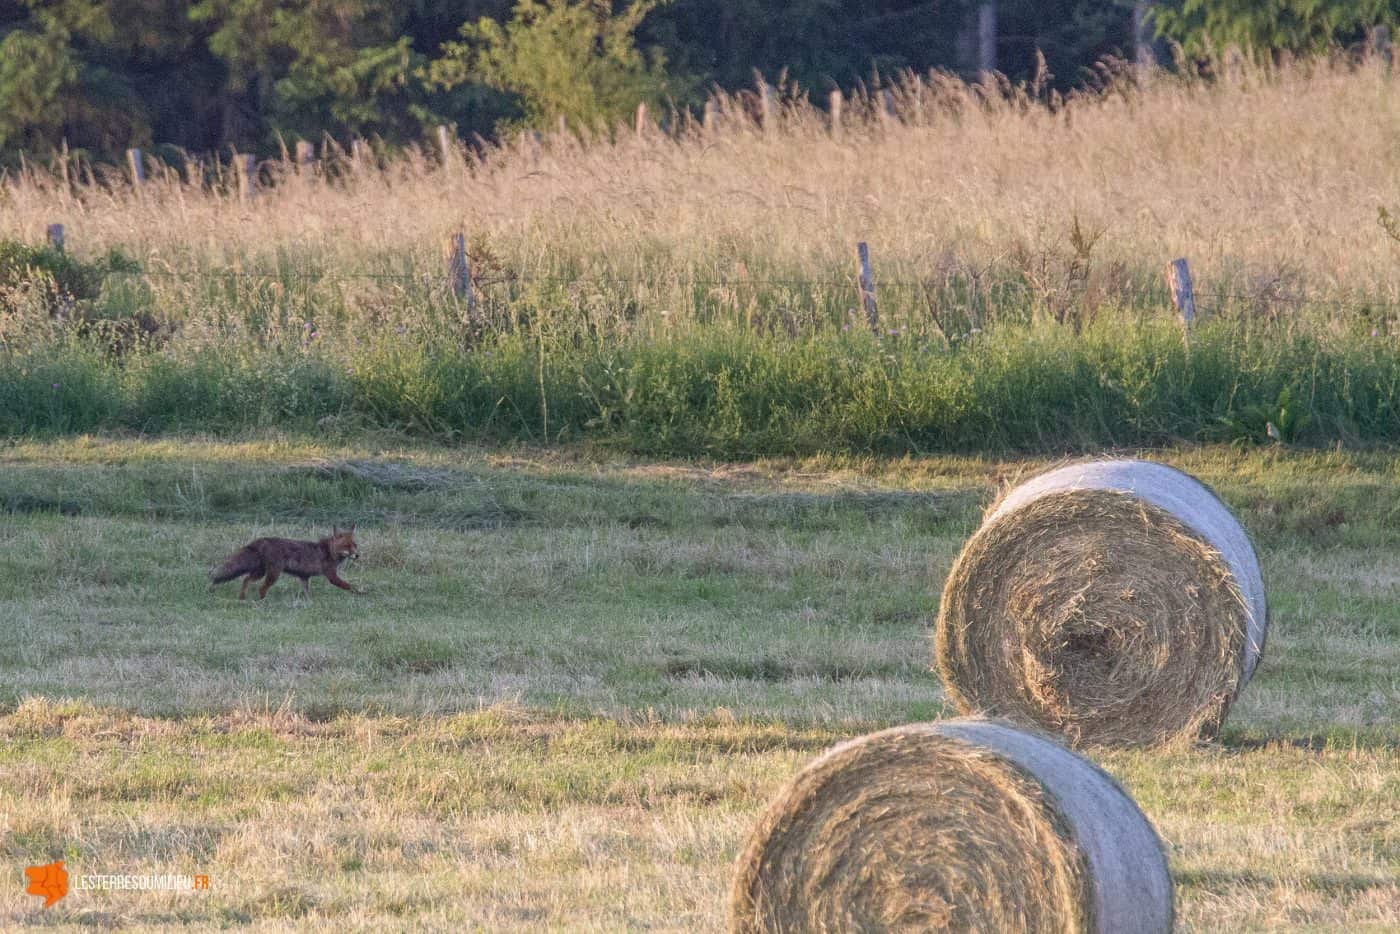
(503,820)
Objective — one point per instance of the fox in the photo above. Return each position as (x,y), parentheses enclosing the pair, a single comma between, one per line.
(268,558)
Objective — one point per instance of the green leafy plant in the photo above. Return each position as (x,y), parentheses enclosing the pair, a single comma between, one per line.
(309,66)
(69,279)
(70,288)
(43,78)
(1259,29)
(570,59)
(1280,422)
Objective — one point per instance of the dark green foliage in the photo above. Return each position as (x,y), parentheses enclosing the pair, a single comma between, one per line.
(211,389)
(1280,421)
(56,390)
(825,43)
(61,279)
(43,286)
(570,60)
(1073,36)
(100,77)
(209,73)
(1260,29)
(303,68)
(202,75)
(21,263)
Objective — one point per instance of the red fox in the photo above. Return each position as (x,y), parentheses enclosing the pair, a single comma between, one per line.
(269,557)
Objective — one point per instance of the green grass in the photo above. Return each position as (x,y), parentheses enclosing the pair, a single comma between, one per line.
(576,679)
(1127,378)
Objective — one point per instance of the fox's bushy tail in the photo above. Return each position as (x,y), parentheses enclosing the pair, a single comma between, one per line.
(241,562)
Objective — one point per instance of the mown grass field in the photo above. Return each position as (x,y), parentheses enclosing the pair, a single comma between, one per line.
(575,680)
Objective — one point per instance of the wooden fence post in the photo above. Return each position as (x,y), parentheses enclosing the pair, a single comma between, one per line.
(1183,296)
(306,156)
(641,122)
(711,119)
(1142,45)
(245,168)
(446,145)
(194,173)
(765,104)
(835,100)
(459,273)
(54,235)
(987,38)
(917,119)
(361,155)
(867,286)
(1380,45)
(63,163)
(137,167)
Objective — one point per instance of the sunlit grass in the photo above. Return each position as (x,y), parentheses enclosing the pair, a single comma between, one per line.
(1268,182)
(695,295)
(577,678)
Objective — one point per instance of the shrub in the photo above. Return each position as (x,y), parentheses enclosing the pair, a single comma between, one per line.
(68,279)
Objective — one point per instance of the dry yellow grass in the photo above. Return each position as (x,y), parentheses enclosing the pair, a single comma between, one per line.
(501,820)
(1269,183)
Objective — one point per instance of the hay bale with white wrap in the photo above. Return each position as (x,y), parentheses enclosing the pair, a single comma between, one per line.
(966,825)
(1112,602)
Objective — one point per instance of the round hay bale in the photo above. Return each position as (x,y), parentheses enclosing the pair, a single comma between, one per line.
(1112,602)
(967,825)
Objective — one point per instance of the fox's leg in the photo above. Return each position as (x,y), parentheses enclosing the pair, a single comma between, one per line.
(252,576)
(336,579)
(306,587)
(273,573)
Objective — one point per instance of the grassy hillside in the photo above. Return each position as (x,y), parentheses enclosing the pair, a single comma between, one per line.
(574,682)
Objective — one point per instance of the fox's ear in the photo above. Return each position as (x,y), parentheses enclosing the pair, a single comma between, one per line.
(352,527)
(335,530)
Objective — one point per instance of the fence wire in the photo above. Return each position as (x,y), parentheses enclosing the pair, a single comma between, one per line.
(1217,295)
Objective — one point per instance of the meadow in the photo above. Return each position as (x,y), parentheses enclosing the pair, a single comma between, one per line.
(658,517)
(695,293)
(576,679)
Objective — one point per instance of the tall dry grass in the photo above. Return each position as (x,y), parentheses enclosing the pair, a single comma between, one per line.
(1268,181)
(694,291)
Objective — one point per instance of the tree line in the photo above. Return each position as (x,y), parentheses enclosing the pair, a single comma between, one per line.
(205,75)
